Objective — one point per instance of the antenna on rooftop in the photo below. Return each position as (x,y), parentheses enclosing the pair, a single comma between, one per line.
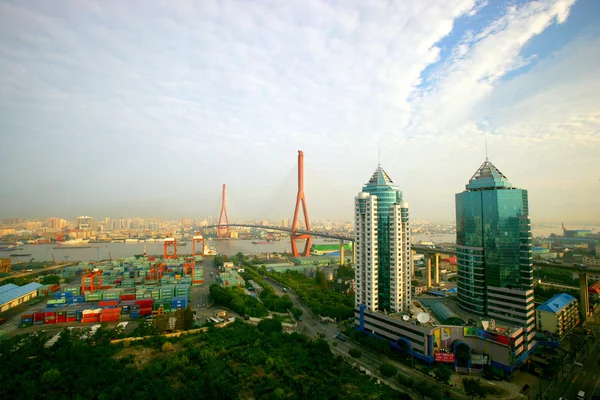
(378,155)
(486,150)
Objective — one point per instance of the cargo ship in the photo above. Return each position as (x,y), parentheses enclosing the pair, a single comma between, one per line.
(20,255)
(73,244)
(262,242)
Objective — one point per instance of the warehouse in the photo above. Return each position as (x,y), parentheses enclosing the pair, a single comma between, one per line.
(13,295)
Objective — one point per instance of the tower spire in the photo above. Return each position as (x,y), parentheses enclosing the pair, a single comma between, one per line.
(486,150)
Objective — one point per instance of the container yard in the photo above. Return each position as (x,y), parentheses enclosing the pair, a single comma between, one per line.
(125,289)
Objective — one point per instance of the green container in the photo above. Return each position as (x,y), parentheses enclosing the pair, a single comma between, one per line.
(95,296)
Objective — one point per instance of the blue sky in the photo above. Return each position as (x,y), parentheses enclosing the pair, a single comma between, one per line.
(108,108)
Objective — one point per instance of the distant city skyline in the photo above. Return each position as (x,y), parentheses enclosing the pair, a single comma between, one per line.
(113,108)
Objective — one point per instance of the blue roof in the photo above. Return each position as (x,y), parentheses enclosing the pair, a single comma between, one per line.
(16,292)
(556,303)
(7,287)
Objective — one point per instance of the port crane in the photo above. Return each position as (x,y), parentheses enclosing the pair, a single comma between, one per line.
(92,277)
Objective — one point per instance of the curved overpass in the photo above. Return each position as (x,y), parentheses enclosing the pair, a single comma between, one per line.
(283,229)
(420,248)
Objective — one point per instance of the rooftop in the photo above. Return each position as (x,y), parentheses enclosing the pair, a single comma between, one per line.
(17,291)
(380,177)
(556,303)
(488,176)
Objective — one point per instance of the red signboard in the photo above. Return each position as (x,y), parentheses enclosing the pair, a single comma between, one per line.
(444,357)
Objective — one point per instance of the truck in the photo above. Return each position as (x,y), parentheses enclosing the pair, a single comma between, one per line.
(581,395)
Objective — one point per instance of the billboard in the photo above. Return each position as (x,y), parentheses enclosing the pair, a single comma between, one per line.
(443,357)
(479,359)
(483,334)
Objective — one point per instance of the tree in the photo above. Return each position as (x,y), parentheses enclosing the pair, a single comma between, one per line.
(50,280)
(298,312)
(355,353)
(322,280)
(188,318)
(443,373)
(270,325)
(474,388)
(218,260)
(387,370)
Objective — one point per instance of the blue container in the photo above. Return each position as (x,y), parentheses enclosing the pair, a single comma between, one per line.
(27,320)
(69,300)
(78,299)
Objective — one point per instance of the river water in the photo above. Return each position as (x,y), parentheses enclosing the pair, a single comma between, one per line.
(103,251)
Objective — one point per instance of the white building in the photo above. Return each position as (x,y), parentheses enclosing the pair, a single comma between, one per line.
(382,240)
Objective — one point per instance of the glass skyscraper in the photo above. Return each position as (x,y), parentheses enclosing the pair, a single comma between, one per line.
(382,246)
(494,249)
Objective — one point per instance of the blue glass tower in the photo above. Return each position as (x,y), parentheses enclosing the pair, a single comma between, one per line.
(494,248)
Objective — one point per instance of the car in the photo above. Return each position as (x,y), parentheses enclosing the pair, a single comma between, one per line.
(581,395)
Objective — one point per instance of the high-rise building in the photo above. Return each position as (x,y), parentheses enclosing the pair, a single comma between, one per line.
(382,240)
(494,249)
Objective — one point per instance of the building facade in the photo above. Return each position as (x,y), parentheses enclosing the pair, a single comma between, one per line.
(382,240)
(558,315)
(494,251)
(13,295)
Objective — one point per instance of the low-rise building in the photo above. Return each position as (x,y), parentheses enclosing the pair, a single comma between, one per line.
(13,295)
(230,279)
(5,264)
(558,315)
(591,261)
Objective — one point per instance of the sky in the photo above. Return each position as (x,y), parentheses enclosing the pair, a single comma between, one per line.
(113,109)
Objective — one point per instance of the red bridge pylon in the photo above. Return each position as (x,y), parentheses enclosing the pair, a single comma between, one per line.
(223,232)
(300,199)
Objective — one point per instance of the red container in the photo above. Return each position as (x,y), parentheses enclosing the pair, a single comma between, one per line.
(90,320)
(61,318)
(111,311)
(26,316)
(128,296)
(55,288)
(145,311)
(49,321)
(108,303)
(39,316)
(144,302)
(50,314)
(71,319)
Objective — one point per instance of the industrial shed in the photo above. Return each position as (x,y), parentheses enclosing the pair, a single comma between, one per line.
(13,295)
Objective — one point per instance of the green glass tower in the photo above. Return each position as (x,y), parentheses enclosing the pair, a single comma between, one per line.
(494,248)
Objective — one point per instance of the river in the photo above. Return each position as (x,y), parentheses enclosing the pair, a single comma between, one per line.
(103,251)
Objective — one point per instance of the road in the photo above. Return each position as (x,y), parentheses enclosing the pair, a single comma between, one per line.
(37,271)
(200,295)
(587,377)
(310,325)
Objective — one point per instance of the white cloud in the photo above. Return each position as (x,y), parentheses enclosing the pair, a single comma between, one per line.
(478,64)
(227,91)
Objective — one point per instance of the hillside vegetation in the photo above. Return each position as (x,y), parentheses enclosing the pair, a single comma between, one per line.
(239,361)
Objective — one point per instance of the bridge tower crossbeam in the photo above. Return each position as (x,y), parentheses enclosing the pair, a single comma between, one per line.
(300,199)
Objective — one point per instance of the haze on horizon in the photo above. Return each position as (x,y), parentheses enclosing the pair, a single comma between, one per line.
(113,109)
